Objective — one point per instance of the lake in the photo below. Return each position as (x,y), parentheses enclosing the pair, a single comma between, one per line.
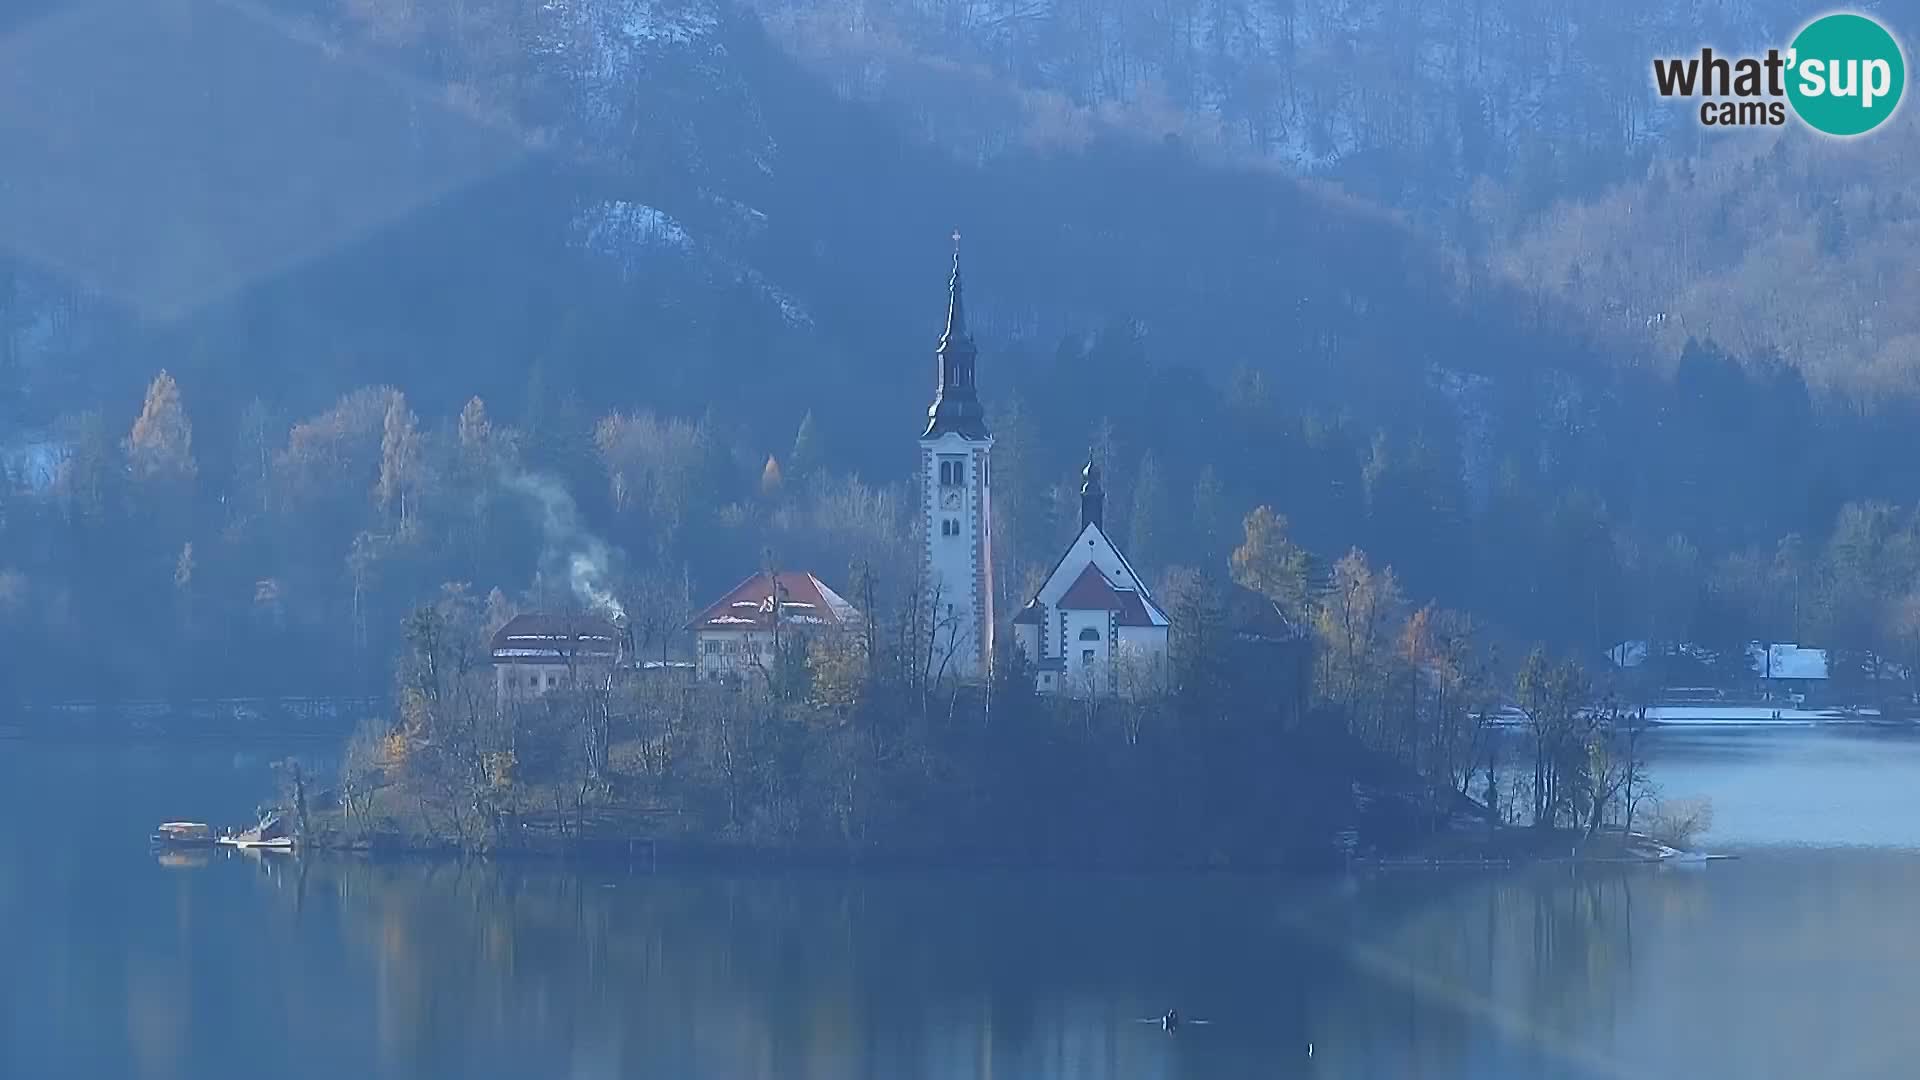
(1800,959)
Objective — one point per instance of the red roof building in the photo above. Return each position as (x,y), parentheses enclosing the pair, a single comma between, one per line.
(737,631)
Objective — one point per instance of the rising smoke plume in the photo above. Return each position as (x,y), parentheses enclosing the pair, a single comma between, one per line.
(569,549)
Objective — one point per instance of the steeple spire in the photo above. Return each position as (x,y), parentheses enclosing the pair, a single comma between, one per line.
(956,403)
(956,307)
(1093,498)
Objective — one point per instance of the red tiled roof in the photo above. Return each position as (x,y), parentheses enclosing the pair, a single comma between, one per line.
(804,600)
(1092,591)
(1133,610)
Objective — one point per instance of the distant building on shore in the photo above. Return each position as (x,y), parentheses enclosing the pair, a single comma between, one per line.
(1789,670)
(1773,671)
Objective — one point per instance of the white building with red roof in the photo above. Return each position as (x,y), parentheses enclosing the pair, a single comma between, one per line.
(738,632)
(1093,627)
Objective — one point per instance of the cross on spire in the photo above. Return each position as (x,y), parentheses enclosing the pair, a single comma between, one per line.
(956,407)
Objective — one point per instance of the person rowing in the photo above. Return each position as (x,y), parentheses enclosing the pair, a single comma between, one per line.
(1170,1021)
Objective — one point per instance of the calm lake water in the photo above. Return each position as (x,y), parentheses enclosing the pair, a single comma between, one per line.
(1800,959)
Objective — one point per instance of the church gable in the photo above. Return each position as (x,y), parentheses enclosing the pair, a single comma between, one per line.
(1091,591)
(1092,575)
(1092,623)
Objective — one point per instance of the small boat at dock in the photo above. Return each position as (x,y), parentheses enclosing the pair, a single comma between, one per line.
(183,834)
(270,835)
(278,843)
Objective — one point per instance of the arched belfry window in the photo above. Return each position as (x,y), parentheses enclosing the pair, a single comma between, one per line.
(1089,634)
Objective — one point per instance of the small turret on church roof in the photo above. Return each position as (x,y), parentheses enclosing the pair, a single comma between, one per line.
(956,401)
(1093,498)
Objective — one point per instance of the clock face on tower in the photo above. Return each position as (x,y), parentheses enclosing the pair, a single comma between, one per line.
(950,500)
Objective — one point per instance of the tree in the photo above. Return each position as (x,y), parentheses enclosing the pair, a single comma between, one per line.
(1270,563)
(805,457)
(657,471)
(836,672)
(1552,696)
(399,459)
(1673,600)
(1199,671)
(183,583)
(1615,764)
(1355,623)
(1449,677)
(253,455)
(160,446)
(1209,510)
(90,481)
(475,431)
(1148,521)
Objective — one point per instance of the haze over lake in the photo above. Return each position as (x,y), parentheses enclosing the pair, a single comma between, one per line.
(1796,960)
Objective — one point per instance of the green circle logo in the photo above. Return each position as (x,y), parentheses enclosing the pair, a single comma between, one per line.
(1845,74)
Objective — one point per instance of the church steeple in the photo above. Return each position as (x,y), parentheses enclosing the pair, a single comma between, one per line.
(1093,499)
(956,403)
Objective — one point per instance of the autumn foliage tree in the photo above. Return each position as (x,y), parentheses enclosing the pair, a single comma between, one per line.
(1270,563)
(160,446)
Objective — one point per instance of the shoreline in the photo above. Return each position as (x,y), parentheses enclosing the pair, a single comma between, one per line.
(1522,848)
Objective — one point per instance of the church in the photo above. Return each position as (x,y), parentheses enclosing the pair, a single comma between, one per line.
(1092,628)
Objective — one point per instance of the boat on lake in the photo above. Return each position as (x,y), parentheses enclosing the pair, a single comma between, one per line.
(183,834)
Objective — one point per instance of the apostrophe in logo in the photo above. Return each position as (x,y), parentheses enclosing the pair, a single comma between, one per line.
(1847,74)
(1842,75)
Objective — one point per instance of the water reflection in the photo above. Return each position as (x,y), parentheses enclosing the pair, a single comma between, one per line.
(1787,963)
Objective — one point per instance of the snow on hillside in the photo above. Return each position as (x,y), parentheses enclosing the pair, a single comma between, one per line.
(629,233)
(618,229)
(602,45)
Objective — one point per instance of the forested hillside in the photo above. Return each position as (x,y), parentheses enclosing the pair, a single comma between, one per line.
(1409,104)
(1785,242)
(637,283)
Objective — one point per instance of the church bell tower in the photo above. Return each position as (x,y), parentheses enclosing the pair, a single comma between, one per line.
(956,482)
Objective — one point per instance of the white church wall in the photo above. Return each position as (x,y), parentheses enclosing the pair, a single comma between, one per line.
(957,538)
